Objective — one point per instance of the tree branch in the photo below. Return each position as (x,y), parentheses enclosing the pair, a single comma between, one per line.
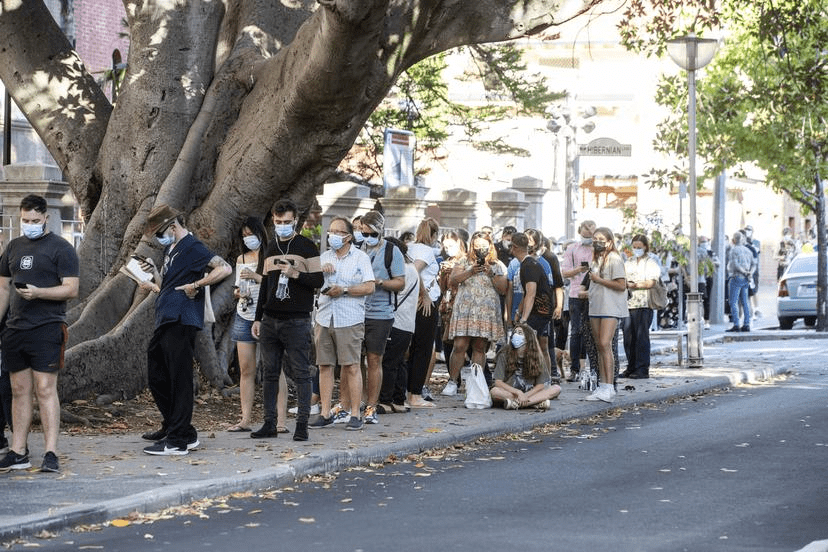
(50,84)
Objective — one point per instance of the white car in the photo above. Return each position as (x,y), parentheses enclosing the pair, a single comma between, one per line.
(797,292)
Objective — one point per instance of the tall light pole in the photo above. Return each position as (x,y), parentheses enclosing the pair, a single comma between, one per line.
(563,125)
(691,54)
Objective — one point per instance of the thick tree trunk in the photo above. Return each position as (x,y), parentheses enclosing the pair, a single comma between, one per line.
(226,107)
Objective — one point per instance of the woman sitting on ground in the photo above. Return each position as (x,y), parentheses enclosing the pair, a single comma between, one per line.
(521,377)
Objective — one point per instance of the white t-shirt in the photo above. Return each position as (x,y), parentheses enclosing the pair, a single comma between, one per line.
(248,313)
(604,301)
(423,252)
(406,313)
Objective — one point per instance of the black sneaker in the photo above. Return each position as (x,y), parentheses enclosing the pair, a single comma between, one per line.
(354,423)
(267,431)
(321,421)
(734,329)
(50,463)
(745,328)
(301,432)
(14,461)
(165,448)
(194,444)
(155,436)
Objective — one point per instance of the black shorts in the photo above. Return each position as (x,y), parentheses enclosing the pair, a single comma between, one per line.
(376,334)
(539,323)
(40,348)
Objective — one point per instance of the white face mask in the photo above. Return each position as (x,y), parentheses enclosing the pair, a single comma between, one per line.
(638,252)
(437,250)
(506,244)
(518,340)
(452,249)
(252,242)
(586,241)
(32,231)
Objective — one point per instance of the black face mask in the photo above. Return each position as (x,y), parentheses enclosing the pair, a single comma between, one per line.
(599,247)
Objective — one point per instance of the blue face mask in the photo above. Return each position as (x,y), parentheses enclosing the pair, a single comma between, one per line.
(283,230)
(252,242)
(518,340)
(371,241)
(336,242)
(32,231)
(638,252)
(358,237)
(165,240)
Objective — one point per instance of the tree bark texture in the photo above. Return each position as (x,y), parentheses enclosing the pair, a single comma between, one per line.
(225,108)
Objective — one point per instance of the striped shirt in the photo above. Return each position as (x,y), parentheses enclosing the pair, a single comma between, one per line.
(352,269)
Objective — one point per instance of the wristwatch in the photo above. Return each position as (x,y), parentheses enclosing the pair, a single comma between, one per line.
(379,283)
(345,291)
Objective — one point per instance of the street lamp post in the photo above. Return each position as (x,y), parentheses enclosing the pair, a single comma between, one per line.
(564,125)
(692,53)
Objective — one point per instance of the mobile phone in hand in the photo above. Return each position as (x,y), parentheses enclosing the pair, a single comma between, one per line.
(20,285)
(325,290)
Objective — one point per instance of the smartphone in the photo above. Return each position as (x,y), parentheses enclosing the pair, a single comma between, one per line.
(20,285)
(138,257)
(584,263)
(324,290)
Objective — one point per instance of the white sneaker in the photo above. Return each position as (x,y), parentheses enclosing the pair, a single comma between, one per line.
(510,404)
(340,415)
(604,393)
(450,389)
(544,405)
(314,409)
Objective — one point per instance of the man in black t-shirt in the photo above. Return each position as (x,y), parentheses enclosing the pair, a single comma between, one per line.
(292,273)
(44,270)
(537,304)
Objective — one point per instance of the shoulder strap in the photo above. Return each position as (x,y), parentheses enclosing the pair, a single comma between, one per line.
(389,258)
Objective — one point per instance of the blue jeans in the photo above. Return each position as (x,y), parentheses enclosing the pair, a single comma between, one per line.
(285,343)
(737,288)
(578,311)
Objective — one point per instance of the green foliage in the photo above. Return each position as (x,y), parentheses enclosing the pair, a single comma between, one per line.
(419,102)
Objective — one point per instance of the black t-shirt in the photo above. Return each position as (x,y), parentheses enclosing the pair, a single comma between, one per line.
(531,271)
(43,262)
(300,291)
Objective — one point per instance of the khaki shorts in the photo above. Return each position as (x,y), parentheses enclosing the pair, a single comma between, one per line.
(341,346)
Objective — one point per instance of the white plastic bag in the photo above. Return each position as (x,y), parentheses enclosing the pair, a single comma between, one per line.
(477,391)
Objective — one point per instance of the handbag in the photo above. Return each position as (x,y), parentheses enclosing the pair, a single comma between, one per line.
(477,391)
(657,295)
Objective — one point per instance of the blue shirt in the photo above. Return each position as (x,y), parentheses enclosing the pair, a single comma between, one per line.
(184,262)
(380,304)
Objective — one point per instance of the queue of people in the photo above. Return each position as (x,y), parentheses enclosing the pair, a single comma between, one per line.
(371,310)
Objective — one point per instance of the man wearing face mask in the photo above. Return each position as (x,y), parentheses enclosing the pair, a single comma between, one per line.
(340,322)
(44,270)
(292,273)
(389,271)
(504,246)
(575,265)
(179,316)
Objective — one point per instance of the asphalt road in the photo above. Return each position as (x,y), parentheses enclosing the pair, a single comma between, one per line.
(745,469)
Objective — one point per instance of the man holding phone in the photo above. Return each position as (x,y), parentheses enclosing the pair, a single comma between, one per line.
(44,269)
(575,266)
(292,273)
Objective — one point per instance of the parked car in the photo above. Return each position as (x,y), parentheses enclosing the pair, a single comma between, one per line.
(797,292)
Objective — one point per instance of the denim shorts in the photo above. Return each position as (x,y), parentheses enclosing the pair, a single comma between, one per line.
(241,330)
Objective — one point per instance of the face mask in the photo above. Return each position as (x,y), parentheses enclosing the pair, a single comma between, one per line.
(335,241)
(599,247)
(252,242)
(358,237)
(506,244)
(638,252)
(586,241)
(518,340)
(705,246)
(32,231)
(437,250)
(452,250)
(371,241)
(283,230)
(165,240)
(481,251)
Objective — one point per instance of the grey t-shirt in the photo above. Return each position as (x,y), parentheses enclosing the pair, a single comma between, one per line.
(604,301)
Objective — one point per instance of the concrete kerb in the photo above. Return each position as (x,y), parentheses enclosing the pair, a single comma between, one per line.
(328,462)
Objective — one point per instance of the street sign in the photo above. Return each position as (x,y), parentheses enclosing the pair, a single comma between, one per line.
(605,147)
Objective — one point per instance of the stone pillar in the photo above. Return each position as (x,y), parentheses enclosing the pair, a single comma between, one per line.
(342,199)
(19,180)
(533,192)
(457,209)
(508,209)
(404,208)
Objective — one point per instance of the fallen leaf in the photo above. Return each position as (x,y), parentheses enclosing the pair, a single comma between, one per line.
(307,520)
(251,512)
(729,471)
(433,430)
(120,522)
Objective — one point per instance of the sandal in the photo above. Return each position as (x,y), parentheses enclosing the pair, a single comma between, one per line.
(424,404)
(282,429)
(238,428)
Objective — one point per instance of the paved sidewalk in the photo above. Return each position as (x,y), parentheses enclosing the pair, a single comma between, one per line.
(105,477)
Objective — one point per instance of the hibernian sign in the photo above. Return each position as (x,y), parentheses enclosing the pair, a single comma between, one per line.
(605,147)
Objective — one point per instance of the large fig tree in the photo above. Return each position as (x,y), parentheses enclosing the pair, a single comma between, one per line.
(226,106)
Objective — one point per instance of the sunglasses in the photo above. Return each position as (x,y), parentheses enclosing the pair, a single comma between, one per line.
(371,234)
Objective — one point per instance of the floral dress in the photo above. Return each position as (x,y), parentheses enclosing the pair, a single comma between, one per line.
(476,311)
